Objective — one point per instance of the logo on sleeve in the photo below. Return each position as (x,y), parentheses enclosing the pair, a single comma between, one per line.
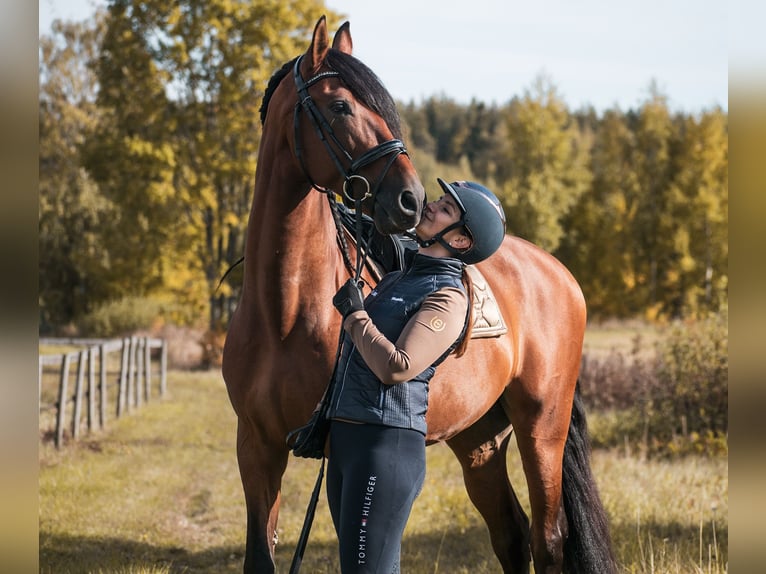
(436,323)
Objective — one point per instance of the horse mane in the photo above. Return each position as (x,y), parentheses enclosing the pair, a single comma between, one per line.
(274,81)
(358,78)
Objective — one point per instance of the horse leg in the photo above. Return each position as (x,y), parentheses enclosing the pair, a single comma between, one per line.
(261,468)
(481,450)
(541,430)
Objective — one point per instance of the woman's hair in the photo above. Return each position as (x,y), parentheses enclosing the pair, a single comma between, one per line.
(463,345)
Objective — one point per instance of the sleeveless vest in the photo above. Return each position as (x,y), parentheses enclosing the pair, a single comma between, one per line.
(358,394)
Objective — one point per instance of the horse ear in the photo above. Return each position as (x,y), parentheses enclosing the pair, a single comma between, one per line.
(320,44)
(342,41)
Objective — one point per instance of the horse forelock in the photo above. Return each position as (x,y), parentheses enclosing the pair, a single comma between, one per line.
(358,78)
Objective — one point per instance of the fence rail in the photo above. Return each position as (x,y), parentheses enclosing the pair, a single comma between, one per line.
(122,366)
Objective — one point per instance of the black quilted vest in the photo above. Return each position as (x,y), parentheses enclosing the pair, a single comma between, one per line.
(358,394)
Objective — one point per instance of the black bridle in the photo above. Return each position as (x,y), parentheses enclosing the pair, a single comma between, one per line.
(324,131)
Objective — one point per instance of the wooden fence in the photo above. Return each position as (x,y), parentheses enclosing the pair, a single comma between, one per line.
(116,371)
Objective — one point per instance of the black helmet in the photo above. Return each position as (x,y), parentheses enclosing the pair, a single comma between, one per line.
(482,216)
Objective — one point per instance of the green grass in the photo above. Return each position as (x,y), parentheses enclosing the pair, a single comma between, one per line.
(159,493)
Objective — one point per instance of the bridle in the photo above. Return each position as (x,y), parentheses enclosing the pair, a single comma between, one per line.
(324,131)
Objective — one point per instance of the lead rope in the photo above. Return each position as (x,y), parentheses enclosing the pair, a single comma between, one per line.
(303,539)
(308,520)
(361,250)
(339,232)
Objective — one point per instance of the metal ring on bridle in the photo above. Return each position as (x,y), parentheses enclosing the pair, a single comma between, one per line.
(350,196)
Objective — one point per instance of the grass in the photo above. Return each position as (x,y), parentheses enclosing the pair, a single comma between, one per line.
(627,337)
(159,492)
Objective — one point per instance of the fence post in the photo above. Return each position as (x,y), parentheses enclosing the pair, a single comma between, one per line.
(131,374)
(164,368)
(62,401)
(83,355)
(102,383)
(147,369)
(123,377)
(139,371)
(91,389)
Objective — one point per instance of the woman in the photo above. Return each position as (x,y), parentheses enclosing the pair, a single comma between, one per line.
(392,344)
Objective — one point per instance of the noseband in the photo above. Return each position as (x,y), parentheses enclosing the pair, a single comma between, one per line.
(324,130)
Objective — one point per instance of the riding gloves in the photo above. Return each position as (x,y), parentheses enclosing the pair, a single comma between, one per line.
(348,299)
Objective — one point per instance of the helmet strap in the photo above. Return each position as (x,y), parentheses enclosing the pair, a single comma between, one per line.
(439,238)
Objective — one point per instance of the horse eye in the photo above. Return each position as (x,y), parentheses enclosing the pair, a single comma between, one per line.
(340,107)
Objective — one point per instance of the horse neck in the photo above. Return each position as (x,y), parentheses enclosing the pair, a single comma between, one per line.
(293,264)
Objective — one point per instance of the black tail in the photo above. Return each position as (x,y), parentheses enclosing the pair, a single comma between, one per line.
(588,548)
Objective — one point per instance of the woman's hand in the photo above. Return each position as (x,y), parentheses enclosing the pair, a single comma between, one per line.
(348,299)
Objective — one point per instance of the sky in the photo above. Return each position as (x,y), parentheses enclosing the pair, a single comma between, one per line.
(600,53)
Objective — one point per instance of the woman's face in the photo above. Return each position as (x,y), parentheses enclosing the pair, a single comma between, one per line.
(437,215)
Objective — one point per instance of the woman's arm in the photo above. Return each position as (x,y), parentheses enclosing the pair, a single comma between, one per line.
(427,334)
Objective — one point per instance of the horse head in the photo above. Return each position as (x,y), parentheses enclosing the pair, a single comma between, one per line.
(347,134)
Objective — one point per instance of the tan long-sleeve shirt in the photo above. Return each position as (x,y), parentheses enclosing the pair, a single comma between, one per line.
(428,333)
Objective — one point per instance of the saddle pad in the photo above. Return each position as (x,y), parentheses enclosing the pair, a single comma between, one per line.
(487,320)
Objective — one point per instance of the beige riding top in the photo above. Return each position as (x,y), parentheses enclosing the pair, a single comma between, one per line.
(428,333)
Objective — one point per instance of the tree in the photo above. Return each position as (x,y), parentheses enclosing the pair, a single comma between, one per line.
(182,83)
(487,142)
(72,212)
(698,281)
(652,222)
(455,142)
(545,169)
(597,242)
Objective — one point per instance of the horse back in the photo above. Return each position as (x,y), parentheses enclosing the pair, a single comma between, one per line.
(544,309)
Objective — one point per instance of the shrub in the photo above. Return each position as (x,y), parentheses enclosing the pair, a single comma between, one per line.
(122,317)
(693,368)
(675,402)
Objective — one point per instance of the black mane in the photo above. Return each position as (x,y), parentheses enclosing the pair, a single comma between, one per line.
(276,78)
(358,78)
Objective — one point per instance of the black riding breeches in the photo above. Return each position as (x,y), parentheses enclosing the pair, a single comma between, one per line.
(374,474)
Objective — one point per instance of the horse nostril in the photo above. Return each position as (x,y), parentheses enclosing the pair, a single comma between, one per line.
(408,202)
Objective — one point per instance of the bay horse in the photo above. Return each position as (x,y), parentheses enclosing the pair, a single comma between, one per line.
(329,124)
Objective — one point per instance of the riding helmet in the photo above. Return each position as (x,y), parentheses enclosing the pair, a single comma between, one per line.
(482,216)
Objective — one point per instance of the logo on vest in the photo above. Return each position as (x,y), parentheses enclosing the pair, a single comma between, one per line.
(437,324)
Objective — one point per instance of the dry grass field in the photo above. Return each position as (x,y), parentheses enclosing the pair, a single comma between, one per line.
(159,492)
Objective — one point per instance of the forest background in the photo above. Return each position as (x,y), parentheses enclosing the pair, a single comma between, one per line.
(149,134)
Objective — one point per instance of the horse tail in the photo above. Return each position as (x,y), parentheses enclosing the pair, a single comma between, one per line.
(588,547)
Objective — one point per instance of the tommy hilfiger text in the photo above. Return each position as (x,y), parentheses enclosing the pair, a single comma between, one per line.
(366,504)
